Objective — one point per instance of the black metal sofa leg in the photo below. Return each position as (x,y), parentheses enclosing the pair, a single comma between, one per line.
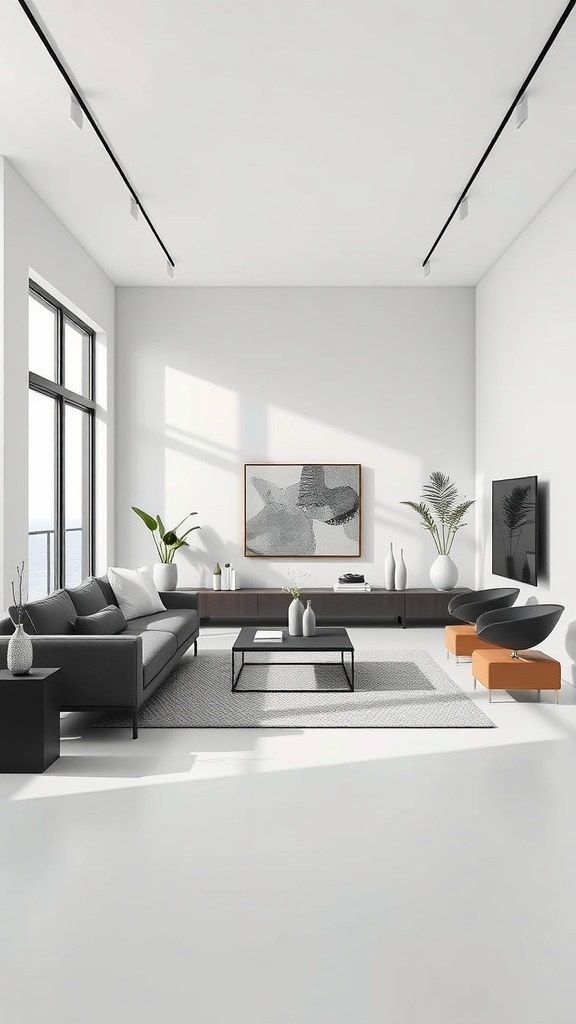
(135,724)
(195,648)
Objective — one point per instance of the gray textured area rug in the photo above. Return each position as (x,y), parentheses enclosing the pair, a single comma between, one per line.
(394,690)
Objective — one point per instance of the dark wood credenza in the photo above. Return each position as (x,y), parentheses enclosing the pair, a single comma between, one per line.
(270,605)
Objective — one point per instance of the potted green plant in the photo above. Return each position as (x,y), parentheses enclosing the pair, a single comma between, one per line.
(167,542)
(441,512)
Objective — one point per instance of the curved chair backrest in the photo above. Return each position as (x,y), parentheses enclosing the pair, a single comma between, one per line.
(472,604)
(518,629)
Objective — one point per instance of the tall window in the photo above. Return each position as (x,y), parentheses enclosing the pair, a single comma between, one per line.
(60,446)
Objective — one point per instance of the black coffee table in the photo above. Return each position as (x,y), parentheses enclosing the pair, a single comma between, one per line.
(328,638)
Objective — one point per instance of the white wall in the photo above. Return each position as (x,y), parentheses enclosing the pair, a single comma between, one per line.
(211,378)
(526,418)
(36,244)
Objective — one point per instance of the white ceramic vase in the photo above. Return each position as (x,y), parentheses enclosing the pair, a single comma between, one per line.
(389,570)
(401,574)
(20,654)
(295,617)
(309,620)
(444,573)
(225,577)
(165,576)
(216,580)
(232,579)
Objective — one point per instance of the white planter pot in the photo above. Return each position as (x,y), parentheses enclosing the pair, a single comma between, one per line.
(444,573)
(165,576)
(19,655)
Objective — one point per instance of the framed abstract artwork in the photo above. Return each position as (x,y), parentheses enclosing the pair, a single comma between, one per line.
(297,510)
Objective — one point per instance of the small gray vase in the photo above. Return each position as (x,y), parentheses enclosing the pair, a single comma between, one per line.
(20,654)
(309,621)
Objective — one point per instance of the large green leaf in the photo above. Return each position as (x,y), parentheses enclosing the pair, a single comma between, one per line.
(161,529)
(170,538)
(149,521)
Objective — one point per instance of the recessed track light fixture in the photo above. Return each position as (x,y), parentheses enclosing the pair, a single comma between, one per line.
(79,109)
(519,109)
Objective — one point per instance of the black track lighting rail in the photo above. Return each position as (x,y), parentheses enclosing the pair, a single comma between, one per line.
(90,117)
(539,60)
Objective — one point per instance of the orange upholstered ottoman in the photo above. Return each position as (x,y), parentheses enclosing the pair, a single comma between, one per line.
(461,641)
(532,670)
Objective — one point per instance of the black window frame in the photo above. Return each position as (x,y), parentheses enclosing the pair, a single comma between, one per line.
(64,397)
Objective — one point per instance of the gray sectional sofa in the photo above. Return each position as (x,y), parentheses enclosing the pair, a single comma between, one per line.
(106,670)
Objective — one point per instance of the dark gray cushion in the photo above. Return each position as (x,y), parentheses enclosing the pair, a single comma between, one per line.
(6,626)
(109,595)
(88,597)
(51,616)
(157,649)
(182,624)
(107,622)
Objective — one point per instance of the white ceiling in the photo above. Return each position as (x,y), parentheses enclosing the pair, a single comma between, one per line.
(290,142)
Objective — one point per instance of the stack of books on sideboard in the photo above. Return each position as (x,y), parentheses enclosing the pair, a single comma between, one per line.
(352,583)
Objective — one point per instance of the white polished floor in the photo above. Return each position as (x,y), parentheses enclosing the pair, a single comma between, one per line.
(297,877)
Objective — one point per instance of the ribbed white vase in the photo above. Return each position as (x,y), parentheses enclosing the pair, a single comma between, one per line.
(20,654)
(444,573)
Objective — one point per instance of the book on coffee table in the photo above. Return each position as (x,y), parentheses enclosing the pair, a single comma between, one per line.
(268,635)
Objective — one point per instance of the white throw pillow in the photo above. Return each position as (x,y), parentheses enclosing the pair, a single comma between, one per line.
(135,591)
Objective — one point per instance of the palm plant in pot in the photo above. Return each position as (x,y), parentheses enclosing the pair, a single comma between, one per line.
(167,543)
(442,513)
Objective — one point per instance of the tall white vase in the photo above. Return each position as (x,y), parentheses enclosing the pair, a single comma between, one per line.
(389,570)
(401,573)
(444,573)
(295,617)
(309,621)
(19,654)
(165,576)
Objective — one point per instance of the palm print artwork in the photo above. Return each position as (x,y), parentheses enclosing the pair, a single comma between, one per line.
(302,510)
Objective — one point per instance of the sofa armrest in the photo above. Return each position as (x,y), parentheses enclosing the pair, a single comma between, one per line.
(176,599)
(99,671)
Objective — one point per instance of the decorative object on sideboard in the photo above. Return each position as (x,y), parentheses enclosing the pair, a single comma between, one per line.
(217,577)
(232,579)
(226,576)
(20,654)
(441,512)
(401,573)
(165,571)
(352,583)
(389,570)
(309,620)
(288,507)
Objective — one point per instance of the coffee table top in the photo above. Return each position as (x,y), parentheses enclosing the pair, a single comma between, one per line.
(328,638)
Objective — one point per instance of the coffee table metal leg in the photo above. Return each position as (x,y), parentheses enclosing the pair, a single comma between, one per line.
(236,678)
(349,675)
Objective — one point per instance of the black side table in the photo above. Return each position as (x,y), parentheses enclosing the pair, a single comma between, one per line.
(29,720)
